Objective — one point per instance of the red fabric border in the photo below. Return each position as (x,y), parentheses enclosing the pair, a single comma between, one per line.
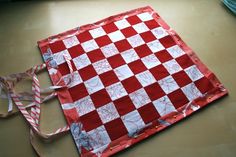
(122,143)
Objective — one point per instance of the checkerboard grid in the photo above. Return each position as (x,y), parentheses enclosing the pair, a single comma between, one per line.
(97,32)
(140,31)
(82,64)
(94,33)
(136,25)
(132,130)
(103,34)
(176,87)
(164,109)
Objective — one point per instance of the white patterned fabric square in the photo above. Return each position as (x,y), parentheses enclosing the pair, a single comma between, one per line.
(116,36)
(81,61)
(155,46)
(123,72)
(164,106)
(168,84)
(135,40)
(121,24)
(130,55)
(97,32)
(89,45)
(150,61)
(133,122)
(172,66)
(193,73)
(109,50)
(68,106)
(191,91)
(102,66)
(140,28)
(139,98)
(159,32)
(84,105)
(145,16)
(59,57)
(75,81)
(71,41)
(93,85)
(116,91)
(98,138)
(145,78)
(175,51)
(108,112)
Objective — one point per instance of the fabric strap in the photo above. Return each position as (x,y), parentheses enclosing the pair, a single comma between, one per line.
(7,84)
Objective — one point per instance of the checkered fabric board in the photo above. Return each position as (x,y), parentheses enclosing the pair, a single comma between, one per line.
(133,76)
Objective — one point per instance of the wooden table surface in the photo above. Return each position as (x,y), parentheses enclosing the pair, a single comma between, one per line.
(205,25)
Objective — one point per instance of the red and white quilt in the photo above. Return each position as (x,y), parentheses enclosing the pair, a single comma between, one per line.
(133,76)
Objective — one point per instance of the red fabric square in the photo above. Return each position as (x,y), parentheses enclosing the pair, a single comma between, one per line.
(116,61)
(91,120)
(57,46)
(109,78)
(110,27)
(115,129)
(76,51)
(77,92)
(167,41)
(181,78)
(151,24)
(148,36)
(148,113)
(103,40)
(84,36)
(100,98)
(159,72)
(163,56)
(95,55)
(128,32)
(137,66)
(178,98)
(87,72)
(64,69)
(154,91)
(131,84)
(122,45)
(143,50)
(124,105)
(184,61)
(204,85)
(133,20)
